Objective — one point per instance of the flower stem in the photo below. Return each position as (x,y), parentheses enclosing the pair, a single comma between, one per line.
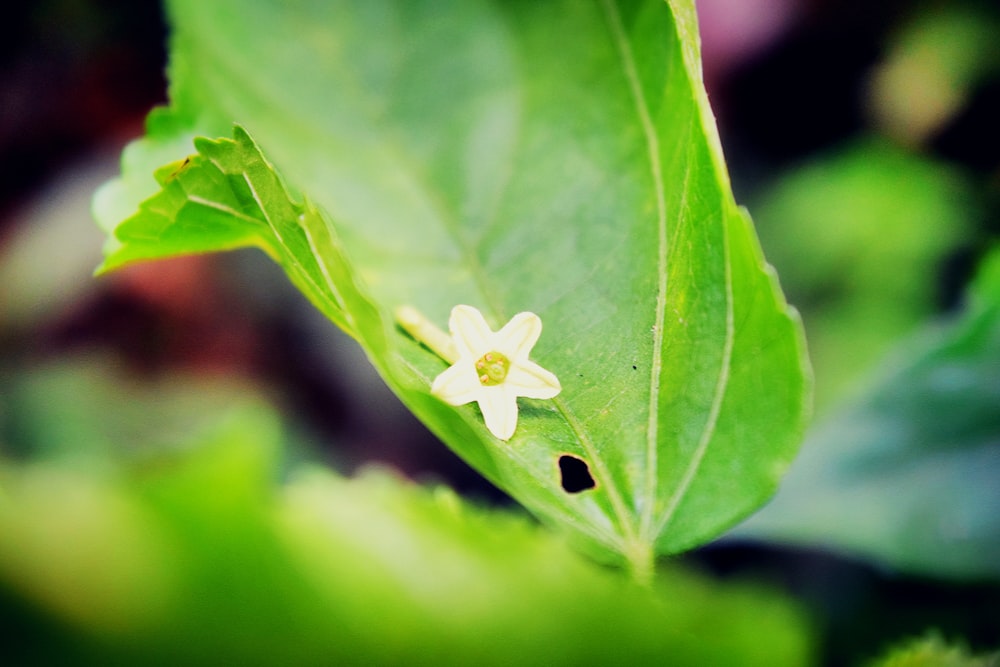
(427,333)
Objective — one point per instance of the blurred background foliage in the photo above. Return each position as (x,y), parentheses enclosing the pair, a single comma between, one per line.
(213,542)
(906,472)
(139,412)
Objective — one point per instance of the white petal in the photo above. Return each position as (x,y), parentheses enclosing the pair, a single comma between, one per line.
(526,378)
(499,409)
(519,335)
(472,336)
(458,384)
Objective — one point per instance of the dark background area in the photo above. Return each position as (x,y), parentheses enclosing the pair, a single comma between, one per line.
(77,78)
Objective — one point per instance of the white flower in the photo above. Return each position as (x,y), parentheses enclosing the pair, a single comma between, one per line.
(493,368)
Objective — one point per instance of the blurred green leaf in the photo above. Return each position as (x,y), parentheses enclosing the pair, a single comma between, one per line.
(553,157)
(908,473)
(202,560)
(933,651)
(860,237)
(931,69)
(89,410)
(488,577)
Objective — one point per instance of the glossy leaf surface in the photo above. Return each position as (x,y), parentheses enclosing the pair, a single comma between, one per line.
(554,157)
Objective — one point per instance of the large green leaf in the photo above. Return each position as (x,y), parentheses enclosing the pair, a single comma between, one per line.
(556,157)
(907,474)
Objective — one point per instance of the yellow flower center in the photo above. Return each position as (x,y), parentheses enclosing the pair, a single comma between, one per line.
(492,368)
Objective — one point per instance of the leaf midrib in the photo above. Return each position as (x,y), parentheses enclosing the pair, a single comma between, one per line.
(620,37)
(649,529)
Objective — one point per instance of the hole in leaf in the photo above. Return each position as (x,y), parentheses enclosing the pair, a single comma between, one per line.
(575,474)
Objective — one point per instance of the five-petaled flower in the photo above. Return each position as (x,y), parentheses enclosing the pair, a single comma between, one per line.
(493,368)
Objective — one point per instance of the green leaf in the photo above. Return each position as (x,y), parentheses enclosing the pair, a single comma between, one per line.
(228,196)
(197,557)
(82,409)
(933,651)
(908,473)
(555,157)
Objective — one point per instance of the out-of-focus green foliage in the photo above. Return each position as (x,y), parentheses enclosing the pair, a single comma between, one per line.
(932,67)
(859,237)
(556,157)
(193,554)
(932,651)
(908,474)
(89,411)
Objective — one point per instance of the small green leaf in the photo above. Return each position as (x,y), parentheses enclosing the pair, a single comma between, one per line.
(558,158)
(933,651)
(908,473)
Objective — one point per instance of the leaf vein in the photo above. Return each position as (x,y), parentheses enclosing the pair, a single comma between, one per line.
(721,384)
(656,171)
(293,258)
